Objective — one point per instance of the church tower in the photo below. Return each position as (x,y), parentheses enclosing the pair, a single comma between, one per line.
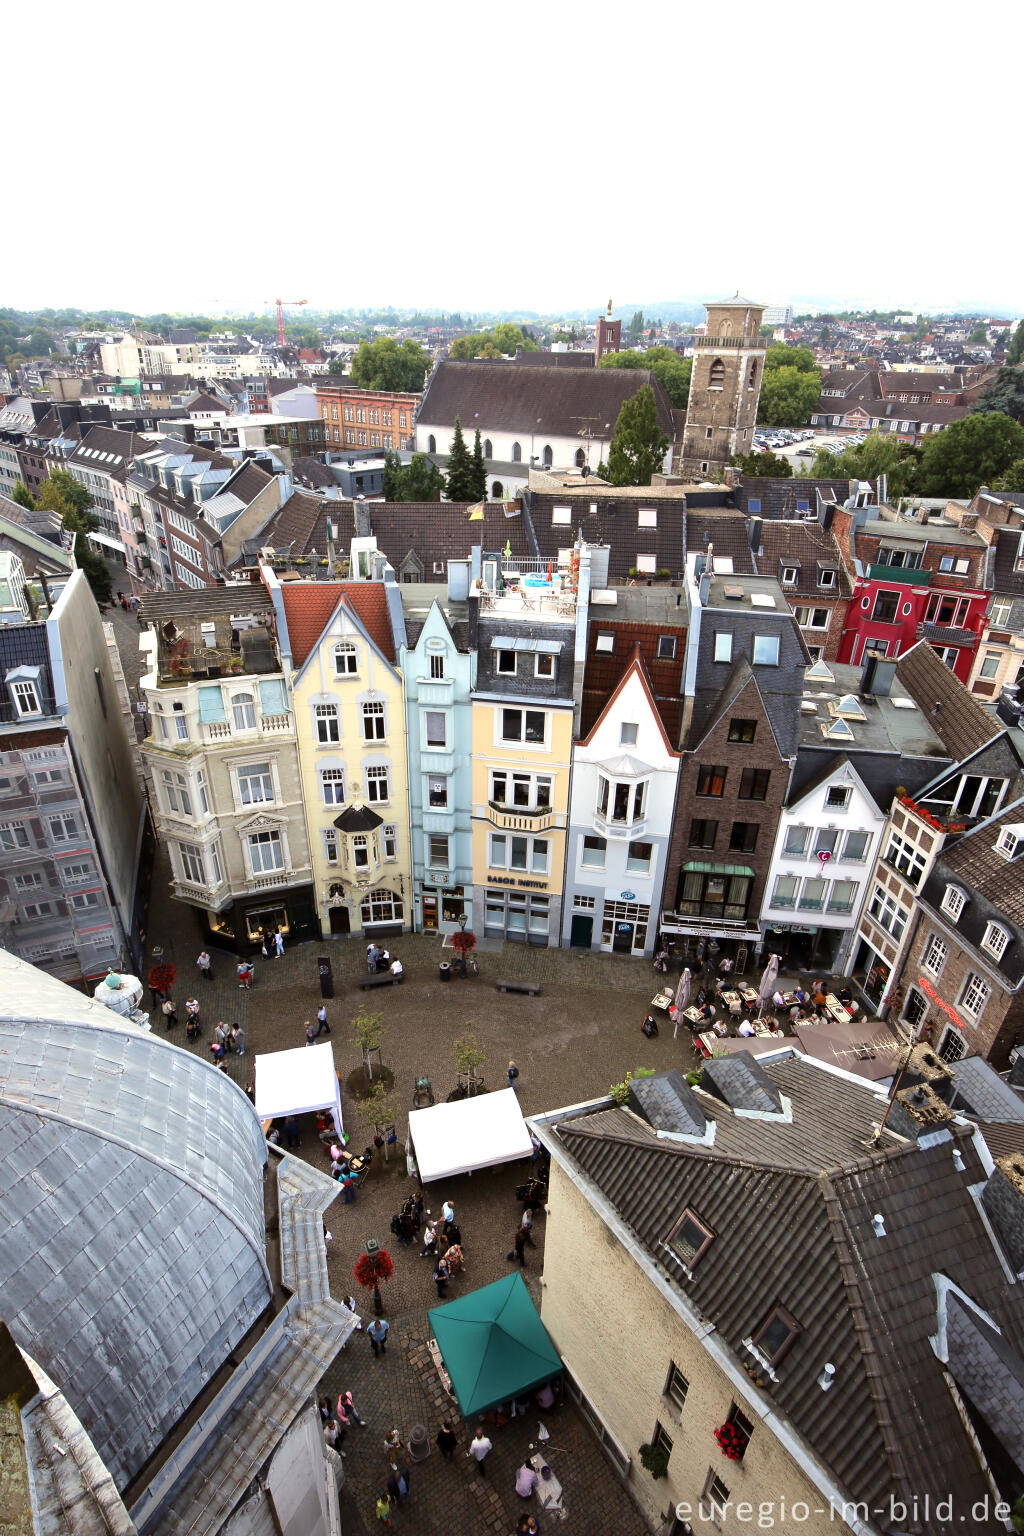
(724,389)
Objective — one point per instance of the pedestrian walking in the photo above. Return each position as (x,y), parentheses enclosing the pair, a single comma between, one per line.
(518,1249)
(384,1509)
(321,1022)
(238,1039)
(192,1011)
(278,943)
(447,1440)
(291,1131)
(245,970)
(403,1484)
(527,1226)
(217,1052)
(429,1239)
(169,1012)
(392,1443)
(205,966)
(311,1034)
(378,1335)
(392,1485)
(324,1405)
(333,1435)
(537,1146)
(478,1449)
(350,1302)
(347,1411)
(447,1215)
(372,956)
(512,1074)
(441,1274)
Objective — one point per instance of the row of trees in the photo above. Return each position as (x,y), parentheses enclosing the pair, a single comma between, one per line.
(62,494)
(500,341)
(420,479)
(985,449)
(790,387)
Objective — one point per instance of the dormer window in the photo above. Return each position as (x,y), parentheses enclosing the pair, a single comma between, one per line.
(954,901)
(1010,841)
(827,576)
(777,1334)
(996,939)
(789,575)
(23,684)
(690,1239)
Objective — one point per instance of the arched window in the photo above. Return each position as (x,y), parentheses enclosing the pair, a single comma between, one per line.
(488,450)
(716,377)
(548,457)
(431,443)
(725,328)
(346,659)
(243,710)
(581,458)
(517,454)
(498,492)
(752,379)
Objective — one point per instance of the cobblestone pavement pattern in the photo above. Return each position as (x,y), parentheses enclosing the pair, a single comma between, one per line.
(581,1034)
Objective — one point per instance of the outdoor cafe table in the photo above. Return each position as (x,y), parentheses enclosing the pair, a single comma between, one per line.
(693,1015)
(839,1013)
(748,994)
(662,1001)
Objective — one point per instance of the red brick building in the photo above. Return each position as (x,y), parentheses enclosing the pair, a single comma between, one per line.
(365,418)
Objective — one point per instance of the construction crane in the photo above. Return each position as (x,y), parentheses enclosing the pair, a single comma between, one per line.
(281,305)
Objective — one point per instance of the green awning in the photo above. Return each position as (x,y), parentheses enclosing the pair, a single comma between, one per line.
(494,1345)
(211,706)
(700,867)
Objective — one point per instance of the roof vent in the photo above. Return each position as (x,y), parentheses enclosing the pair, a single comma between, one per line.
(958,1160)
(827,1376)
(878,1223)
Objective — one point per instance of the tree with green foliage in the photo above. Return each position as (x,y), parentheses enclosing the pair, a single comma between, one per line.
(876,455)
(63,494)
(459,482)
(638,446)
(368,1034)
(479,469)
(671,371)
(469,1056)
(23,496)
(766,463)
(968,454)
(1013,480)
(1003,393)
(421,479)
(636,325)
(388,364)
(1015,351)
(781,356)
(501,341)
(336,367)
(788,396)
(391,479)
(979,336)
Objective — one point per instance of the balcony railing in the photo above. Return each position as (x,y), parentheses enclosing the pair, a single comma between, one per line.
(620,829)
(520,819)
(738,343)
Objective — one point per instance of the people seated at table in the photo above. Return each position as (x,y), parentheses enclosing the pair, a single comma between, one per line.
(746,1029)
(800,996)
(778,999)
(818,995)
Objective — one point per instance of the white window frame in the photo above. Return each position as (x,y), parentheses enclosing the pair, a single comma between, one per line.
(332,786)
(191,854)
(544,665)
(975,995)
(250,772)
(435,715)
(25,697)
(520,741)
(378,775)
(934,956)
(374,712)
(995,940)
(763,643)
(953,902)
(723,645)
(348,652)
(323,716)
(242,705)
(270,839)
(438,850)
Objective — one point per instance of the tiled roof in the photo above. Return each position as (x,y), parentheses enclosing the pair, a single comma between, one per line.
(504,397)
(300,525)
(800,545)
(981,1092)
(888,1426)
(1007,581)
(605,517)
(248,483)
(307,607)
(726,531)
(439,531)
(778,498)
(959,721)
(368,600)
(998,884)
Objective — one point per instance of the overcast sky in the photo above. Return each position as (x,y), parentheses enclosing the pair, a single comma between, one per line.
(539,156)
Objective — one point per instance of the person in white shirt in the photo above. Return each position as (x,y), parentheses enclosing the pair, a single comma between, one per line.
(478,1449)
(396,967)
(746,1028)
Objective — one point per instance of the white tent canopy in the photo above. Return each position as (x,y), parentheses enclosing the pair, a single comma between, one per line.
(471,1133)
(297,1083)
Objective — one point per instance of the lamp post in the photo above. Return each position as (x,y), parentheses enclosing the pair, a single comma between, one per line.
(463,920)
(372,1249)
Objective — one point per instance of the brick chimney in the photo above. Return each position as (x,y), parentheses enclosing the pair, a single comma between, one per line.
(1003,1199)
(918,1111)
(928,1068)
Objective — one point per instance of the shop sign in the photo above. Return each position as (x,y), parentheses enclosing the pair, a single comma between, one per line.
(527,885)
(930,991)
(627,895)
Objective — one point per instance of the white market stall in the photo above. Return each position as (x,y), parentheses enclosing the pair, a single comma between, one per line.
(470,1133)
(298,1082)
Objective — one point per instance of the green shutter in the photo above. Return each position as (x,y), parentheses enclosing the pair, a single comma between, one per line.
(211,706)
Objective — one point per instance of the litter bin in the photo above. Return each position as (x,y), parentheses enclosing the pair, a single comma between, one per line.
(323,965)
(446,971)
(419,1445)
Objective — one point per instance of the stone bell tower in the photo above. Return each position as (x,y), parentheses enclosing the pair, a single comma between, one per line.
(724,389)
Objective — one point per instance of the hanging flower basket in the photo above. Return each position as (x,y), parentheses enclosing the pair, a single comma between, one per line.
(730,1442)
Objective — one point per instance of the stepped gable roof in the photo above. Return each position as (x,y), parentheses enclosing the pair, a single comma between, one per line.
(545,402)
(888,1427)
(959,721)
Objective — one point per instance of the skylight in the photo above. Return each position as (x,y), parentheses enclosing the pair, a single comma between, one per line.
(837,730)
(819,673)
(848,708)
(762,600)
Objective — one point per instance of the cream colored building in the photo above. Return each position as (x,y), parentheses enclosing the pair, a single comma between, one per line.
(340,641)
(750,1259)
(222,762)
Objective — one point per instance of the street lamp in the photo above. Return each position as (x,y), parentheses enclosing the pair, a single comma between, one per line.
(463,920)
(371,1248)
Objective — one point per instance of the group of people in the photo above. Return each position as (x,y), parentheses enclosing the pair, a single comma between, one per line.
(227,1039)
(442,1239)
(378,960)
(447,1441)
(322,1026)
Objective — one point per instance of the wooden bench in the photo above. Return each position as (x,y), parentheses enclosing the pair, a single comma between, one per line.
(532,988)
(380,979)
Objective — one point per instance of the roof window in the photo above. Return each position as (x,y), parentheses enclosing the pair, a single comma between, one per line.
(690,1239)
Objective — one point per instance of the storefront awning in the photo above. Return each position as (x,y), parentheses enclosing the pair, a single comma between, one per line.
(104,538)
(701,867)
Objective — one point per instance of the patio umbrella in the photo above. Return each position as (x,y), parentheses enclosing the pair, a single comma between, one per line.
(768,980)
(682,997)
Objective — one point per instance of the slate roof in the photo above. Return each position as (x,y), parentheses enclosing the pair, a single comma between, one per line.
(298,526)
(24,645)
(727,531)
(505,397)
(982,1094)
(778,498)
(203,402)
(358,818)
(1007,581)
(615,521)
(310,472)
(800,1194)
(439,531)
(960,722)
(994,886)
(801,545)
